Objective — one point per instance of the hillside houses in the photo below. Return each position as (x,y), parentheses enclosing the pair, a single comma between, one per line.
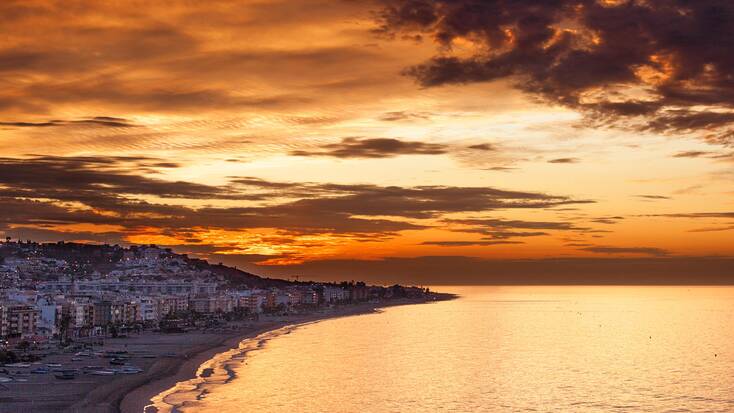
(68,291)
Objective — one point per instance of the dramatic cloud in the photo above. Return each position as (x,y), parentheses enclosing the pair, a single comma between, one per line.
(175,124)
(77,178)
(664,65)
(374,148)
(59,194)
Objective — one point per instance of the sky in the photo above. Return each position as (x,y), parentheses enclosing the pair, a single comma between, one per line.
(443,141)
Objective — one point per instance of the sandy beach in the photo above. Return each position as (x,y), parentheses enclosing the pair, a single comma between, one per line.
(157,354)
(164,358)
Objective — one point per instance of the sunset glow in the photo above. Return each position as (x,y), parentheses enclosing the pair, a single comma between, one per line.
(272,134)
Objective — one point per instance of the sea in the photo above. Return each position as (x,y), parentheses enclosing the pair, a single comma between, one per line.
(494,349)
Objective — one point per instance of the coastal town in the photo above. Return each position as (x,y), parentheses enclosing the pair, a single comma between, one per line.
(72,312)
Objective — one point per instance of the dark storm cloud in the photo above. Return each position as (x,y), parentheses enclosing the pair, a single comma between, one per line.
(176,221)
(686,121)
(665,64)
(657,252)
(374,148)
(31,212)
(421,202)
(75,178)
(106,190)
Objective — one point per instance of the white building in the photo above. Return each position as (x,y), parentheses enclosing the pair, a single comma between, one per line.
(335,294)
(149,310)
(49,316)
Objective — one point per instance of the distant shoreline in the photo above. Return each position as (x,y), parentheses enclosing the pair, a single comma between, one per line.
(133,397)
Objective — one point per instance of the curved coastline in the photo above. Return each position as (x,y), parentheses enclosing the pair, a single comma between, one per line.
(136,399)
(135,396)
(212,372)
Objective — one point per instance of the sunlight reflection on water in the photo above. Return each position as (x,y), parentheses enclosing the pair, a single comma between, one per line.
(571,349)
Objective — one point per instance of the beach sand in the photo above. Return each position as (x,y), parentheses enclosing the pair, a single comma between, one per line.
(89,393)
(177,358)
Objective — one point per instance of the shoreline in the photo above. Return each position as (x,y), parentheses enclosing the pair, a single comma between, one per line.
(137,398)
(135,394)
(164,360)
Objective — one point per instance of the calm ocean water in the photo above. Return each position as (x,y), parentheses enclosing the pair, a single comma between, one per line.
(496,349)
